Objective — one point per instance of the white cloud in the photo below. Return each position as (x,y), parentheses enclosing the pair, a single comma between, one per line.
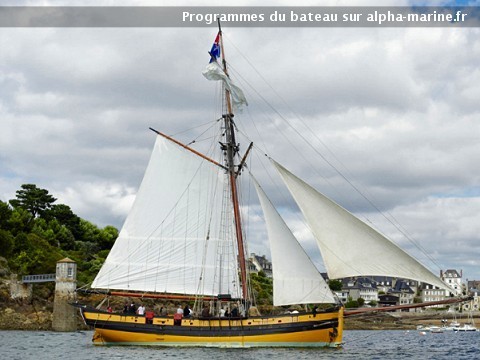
(398,108)
(102,201)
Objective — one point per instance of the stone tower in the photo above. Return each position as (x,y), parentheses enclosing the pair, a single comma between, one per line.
(64,315)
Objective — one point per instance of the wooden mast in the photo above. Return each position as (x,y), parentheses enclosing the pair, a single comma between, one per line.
(230,149)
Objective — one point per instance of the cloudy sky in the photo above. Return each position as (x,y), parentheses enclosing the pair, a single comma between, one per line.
(394,111)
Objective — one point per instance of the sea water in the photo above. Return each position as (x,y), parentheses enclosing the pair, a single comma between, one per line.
(358,344)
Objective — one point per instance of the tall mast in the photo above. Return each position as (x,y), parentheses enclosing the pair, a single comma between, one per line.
(231,148)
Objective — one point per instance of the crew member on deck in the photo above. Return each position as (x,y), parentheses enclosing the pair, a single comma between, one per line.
(177,318)
(186,311)
(180,310)
(206,311)
(132,309)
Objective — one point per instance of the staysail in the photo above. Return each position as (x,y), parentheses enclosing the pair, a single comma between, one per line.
(173,239)
(296,280)
(349,246)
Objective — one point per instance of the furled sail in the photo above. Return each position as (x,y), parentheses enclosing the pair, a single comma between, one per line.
(349,246)
(296,280)
(173,239)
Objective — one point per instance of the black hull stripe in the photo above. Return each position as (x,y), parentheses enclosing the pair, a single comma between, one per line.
(217,331)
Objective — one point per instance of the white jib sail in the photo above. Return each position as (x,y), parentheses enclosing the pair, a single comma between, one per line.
(349,246)
(171,240)
(296,280)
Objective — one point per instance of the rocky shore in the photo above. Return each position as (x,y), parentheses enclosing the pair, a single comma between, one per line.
(32,314)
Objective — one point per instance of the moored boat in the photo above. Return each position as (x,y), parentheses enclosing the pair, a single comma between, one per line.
(465,327)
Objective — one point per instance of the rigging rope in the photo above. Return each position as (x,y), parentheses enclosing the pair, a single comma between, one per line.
(390,218)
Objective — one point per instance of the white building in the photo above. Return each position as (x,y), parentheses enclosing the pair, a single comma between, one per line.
(429,293)
(364,288)
(453,279)
(258,263)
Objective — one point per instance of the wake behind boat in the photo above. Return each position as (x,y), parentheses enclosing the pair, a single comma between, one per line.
(184,239)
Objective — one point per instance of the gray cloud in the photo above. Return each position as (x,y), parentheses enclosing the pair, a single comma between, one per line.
(397,107)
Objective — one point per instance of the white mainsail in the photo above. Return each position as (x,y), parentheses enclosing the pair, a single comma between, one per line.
(296,280)
(173,239)
(349,246)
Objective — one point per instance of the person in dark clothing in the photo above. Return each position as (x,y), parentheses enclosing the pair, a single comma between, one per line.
(206,311)
(234,312)
(125,308)
(186,311)
(132,309)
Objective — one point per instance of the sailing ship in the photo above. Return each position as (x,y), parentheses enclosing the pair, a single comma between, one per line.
(184,240)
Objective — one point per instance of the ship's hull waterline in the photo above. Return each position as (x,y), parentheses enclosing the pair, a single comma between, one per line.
(323,329)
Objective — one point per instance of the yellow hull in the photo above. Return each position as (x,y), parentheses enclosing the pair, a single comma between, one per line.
(296,330)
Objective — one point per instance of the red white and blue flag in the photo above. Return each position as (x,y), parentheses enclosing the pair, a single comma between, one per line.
(215,52)
(214,71)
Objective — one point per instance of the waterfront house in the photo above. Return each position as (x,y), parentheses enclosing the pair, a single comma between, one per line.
(259,263)
(364,288)
(403,292)
(453,279)
(430,293)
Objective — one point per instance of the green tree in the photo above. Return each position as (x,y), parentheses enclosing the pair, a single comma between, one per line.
(20,263)
(20,221)
(38,258)
(262,287)
(42,229)
(33,199)
(65,216)
(21,243)
(65,238)
(90,269)
(6,243)
(335,285)
(5,213)
(56,234)
(90,232)
(351,303)
(87,248)
(35,233)
(107,237)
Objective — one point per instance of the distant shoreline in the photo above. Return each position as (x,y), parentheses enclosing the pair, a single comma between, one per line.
(405,320)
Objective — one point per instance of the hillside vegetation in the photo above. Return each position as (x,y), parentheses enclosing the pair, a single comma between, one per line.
(35,233)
